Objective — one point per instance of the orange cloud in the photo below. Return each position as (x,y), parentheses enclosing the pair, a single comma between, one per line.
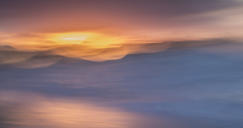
(91,46)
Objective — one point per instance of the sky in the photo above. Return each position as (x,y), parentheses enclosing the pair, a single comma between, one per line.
(121,63)
(83,27)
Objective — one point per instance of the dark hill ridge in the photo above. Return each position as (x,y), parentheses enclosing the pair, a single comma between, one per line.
(6,48)
(9,55)
(184,46)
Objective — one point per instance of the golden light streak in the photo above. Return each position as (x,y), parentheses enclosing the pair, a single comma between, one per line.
(92,39)
(38,111)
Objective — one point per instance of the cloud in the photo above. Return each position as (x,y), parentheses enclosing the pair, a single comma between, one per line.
(168,7)
(51,55)
(137,19)
(23,59)
(9,55)
(44,56)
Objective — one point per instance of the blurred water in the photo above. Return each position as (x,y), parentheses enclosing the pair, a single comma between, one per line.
(183,87)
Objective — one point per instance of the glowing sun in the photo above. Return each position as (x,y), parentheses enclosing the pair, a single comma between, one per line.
(85,38)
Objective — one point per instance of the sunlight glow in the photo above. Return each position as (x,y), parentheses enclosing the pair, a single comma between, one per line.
(96,40)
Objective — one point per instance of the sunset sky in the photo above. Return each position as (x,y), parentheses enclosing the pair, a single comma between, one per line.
(84,27)
(121,63)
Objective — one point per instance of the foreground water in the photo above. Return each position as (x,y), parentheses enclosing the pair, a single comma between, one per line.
(182,87)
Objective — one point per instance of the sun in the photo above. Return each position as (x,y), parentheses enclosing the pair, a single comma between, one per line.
(69,38)
(75,38)
(97,40)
